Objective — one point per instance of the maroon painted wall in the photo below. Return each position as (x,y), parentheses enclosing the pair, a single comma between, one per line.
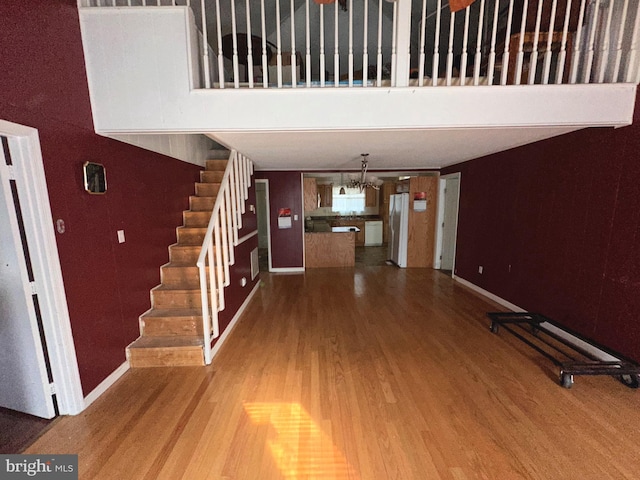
(287,245)
(565,214)
(43,85)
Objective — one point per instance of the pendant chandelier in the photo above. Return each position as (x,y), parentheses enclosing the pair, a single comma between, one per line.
(363,181)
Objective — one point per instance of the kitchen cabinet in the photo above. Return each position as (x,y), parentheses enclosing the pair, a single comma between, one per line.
(352,223)
(310,194)
(326,195)
(370,197)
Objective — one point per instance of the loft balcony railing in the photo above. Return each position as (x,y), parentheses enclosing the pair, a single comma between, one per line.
(419,43)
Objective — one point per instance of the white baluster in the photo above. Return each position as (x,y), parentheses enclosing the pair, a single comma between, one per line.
(379,54)
(234,35)
(586,78)
(278,44)
(492,50)
(213,298)
(229,222)
(204,300)
(533,59)
(249,45)
(394,46)
(463,56)
(265,60)
(365,41)
(219,264)
(224,243)
(577,44)
(205,49)
(623,18)
(323,65)
(221,78)
(336,53)
(605,43)
(421,59)
(507,42)
(238,178)
(452,22)
(293,46)
(632,71)
(234,202)
(520,55)
(478,56)
(436,46)
(548,54)
(307,74)
(563,46)
(350,51)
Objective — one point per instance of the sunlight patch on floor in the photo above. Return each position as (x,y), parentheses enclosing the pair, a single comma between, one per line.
(299,447)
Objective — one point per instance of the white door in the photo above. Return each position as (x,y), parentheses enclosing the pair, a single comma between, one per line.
(450,223)
(24,381)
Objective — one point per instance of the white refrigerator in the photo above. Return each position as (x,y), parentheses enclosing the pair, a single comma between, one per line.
(398,228)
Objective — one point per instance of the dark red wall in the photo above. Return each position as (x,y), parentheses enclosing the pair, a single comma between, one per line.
(285,191)
(43,85)
(565,214)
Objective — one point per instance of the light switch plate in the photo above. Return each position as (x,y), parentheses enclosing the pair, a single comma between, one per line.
(120,236)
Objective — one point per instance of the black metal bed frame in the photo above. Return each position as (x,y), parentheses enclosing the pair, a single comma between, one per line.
(528,327)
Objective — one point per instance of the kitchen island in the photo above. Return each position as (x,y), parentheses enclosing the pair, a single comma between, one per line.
(331,249)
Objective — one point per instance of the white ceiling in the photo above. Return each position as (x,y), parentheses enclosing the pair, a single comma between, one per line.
(336,150)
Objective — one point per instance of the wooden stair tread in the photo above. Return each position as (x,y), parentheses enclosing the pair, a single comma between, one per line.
(171,288)
(182,342)
(172,313)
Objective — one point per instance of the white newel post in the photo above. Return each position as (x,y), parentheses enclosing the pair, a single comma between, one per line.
(403,42)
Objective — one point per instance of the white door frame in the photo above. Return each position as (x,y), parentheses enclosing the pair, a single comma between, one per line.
(28,170)
(439,230)
(266,199)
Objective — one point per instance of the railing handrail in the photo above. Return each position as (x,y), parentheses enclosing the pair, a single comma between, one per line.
(587,42)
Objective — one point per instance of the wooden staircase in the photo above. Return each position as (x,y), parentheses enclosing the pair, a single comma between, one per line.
(171,331)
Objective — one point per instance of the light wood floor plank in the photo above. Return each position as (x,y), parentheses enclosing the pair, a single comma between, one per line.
(369,373)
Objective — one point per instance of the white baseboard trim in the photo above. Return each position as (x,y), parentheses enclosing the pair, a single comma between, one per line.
(287,270)
(234,321)
(106,383)
(489,295)
(595,351)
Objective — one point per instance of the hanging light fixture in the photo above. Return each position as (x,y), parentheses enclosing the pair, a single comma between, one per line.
(365,181)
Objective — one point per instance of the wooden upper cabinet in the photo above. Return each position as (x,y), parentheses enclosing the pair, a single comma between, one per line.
(326,195)
(370,197)
(310,194)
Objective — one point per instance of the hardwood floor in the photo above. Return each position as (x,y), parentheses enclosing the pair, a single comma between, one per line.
(372,373)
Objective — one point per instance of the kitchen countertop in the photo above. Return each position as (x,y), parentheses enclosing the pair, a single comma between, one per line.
(344,229)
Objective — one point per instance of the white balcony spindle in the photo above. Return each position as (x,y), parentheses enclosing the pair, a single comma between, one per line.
(507,42)
(278,45)
(307,63)
(621,29)
(548,54)
(586,74)
(394,46)
(465,42)
(249,45)
(452,22)
(234,36)
(365,45)
(205,49)
(632,71)
(605,43)
(478,56)
(379,53)
(436,46)
(562,55)
(520,55)
(421,58)
(336,52)
(492,48)
(350,51)
(402,23)
(221,78)
(533,59)
(577,48)
(294,77)
(265,58)
(323,61)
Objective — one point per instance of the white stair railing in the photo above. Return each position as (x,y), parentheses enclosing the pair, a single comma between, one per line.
(217,253)
(289,43)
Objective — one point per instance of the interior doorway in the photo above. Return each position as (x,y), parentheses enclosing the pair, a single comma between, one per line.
(448,223)
(262,213)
